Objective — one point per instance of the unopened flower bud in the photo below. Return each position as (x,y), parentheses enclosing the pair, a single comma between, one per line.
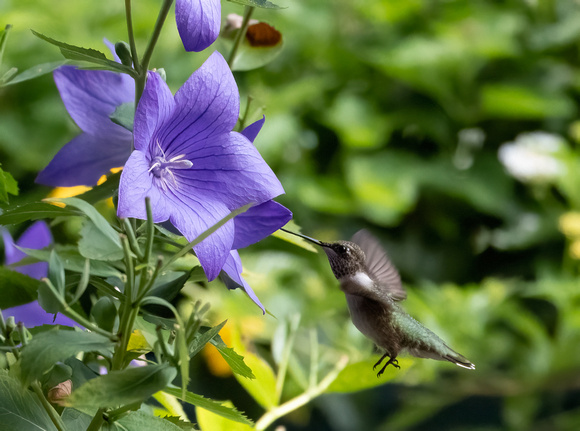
(57,394)
(124,52)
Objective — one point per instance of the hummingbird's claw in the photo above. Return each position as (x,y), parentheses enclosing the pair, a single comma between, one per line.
(394,362)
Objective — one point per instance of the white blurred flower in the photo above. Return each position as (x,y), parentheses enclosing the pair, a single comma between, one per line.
(533,157)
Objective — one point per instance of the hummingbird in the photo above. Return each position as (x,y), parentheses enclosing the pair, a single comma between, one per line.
(373,290)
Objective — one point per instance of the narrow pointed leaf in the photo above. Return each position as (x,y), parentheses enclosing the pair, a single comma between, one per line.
(34,211)
(56,271)
(8,185)
(213,406)
(36,71)
(90,55)
(201,340)
(235,361)
(47,348)
(96,245)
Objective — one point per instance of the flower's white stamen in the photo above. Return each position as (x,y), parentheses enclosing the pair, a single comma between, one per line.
(163,168)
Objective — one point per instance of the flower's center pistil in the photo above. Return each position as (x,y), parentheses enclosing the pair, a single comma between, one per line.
(163,168)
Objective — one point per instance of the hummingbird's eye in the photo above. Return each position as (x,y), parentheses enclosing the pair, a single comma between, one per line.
(341,249)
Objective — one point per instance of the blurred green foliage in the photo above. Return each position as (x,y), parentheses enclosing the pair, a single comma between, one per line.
(387,115)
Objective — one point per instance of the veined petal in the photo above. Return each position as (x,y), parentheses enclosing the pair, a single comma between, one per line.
(207,104)
(229,167)
(135,185)
(90,96)
(233,269)
(198,22)
(259,222)
(253,129)
(86,158)
(193,216)
(155,107)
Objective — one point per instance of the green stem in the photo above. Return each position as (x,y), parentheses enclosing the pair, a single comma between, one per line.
(277,412)
(52,413)
(131,36)
(98,420)
(281,376)
(241,34)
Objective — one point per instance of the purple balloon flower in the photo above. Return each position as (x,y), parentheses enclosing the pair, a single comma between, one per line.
(198,22)
(37,236)
(190,164)
(90,96)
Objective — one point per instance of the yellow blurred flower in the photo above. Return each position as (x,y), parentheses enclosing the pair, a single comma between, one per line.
(569,224)
(575,249)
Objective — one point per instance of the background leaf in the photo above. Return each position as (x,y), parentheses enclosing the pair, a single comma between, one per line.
(47,348)
(16,288)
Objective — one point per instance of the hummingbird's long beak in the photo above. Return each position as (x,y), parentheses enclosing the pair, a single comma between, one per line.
(307,238)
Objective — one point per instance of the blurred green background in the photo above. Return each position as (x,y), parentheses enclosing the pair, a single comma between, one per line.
(386,115)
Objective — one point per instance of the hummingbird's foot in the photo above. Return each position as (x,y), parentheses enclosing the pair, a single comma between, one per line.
(391,361)
(380,360)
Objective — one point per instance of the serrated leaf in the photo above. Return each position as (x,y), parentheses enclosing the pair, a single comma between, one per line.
(235,361)
(202,339)
(176,420)
(35,72)
(123,115)
(213,406)
(122,387)
(73,261)
(90,55)
(47,348)
(16,288)
(20,409)
(265,4)
(360,375)
(94,244)
(139,421)
(35,211)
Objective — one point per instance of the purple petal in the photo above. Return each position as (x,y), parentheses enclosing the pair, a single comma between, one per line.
(90,96)
(37,236)
(253,129)
(207,104)
(135,184)
(155,106)
(233,268)
(229,168)
(86,158)
(32,314)
(198,22)
(259,222)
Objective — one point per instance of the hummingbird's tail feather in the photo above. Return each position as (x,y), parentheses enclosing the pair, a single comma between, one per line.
(459,360)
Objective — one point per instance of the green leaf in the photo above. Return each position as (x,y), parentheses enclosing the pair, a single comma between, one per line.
(235,361)
(360,375)
(209,421)
(16,288)
(3,40)
(96,245)
(75,420)
(140,421)
(263,387)
(73,52)
(250,57)
(20,409)
(105,313)
(7,185)
(35,72)
(213,406)
(56,271)
(73,261)
(124,115)
(35,211)
(100,224)
(47,348)
(265,4)
(122,387)
(202,339)
(103,191)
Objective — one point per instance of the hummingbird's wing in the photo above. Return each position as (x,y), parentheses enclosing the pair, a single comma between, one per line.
(380,268)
